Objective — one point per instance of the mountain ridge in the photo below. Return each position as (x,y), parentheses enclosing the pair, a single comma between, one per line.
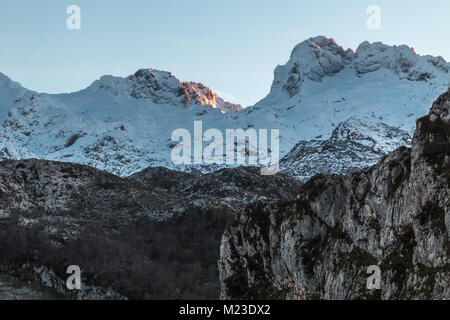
(123,125)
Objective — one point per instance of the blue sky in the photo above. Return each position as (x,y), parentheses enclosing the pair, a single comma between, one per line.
(232,46)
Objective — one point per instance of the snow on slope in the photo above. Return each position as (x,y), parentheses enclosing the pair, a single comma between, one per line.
(353,145)
(123,125)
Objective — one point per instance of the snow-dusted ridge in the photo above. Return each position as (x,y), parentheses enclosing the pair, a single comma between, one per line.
(161,87)
(319,57)
(123,125)
(353,145)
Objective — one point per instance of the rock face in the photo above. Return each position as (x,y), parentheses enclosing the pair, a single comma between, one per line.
(395,215)
(202,95)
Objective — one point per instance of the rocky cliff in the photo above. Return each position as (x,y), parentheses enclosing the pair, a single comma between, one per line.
(395,215)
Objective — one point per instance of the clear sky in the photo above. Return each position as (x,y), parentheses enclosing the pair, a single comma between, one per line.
(232,46)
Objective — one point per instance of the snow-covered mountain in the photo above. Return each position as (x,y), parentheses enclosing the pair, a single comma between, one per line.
(123,125)
(322,85)
(353,145)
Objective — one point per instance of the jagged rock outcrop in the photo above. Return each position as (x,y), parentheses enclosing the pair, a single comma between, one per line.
(198,93)
(395,215)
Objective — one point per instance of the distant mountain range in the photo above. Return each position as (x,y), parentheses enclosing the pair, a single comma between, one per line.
(355,100)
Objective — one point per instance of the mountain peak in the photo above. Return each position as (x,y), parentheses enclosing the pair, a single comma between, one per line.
(318,57)
(162,87)
(319,42)
(312,59)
